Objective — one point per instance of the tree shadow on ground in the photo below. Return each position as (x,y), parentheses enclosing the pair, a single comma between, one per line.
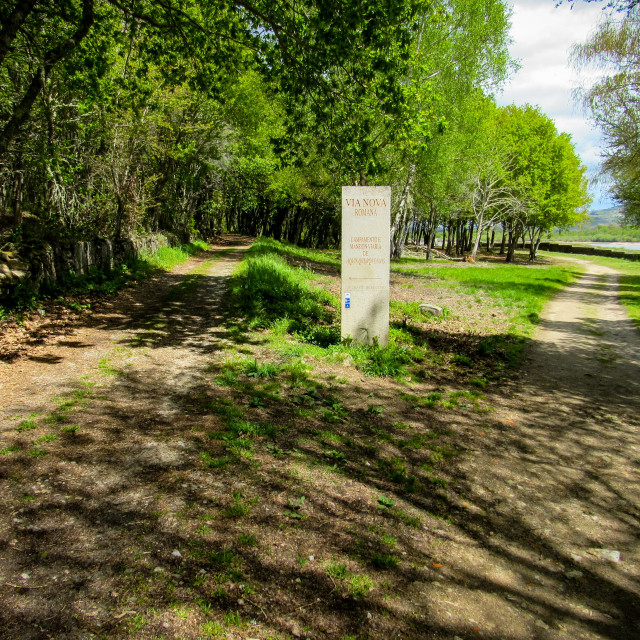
(177,505)
(111,504)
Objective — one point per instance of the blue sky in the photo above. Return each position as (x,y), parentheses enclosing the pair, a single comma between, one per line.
(542,37)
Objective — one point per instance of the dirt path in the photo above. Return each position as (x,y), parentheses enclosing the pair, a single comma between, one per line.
(145,315)
(103,534)
(554,491)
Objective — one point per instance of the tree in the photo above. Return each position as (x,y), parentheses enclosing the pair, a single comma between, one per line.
(614,103)
(545,172)
(461,50)
(302,43)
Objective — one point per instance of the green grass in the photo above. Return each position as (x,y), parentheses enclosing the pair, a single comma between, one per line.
(166,258)
(329,257)
(266,288)
(522,290)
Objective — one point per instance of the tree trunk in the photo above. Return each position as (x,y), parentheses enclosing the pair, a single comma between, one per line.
(514,234)
(469,245)
(504,237)
(400,219)
(11,27)
(17,192)
(535,238)
(476,244)
(430,239)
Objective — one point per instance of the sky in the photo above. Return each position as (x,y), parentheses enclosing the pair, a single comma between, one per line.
(542,37)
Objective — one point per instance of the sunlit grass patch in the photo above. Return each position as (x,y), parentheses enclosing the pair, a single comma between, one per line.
(522,289)
(167,258)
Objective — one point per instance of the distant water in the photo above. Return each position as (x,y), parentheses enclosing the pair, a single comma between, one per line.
(627,246)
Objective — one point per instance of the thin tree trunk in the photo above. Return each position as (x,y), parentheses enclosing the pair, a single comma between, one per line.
(400,219)
(476,244)
(504,238)
(514,234)
(16,204)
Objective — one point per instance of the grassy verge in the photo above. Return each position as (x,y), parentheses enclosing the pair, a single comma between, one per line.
(297,316)
(522,289)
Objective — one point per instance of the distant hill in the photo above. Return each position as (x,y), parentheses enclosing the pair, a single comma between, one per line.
(609,217)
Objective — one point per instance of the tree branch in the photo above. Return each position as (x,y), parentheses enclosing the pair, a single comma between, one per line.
(10,29)
(22,110)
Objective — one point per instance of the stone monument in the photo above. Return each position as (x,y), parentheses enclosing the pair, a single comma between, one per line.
(366,223)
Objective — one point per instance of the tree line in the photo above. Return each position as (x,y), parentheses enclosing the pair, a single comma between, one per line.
(201,116)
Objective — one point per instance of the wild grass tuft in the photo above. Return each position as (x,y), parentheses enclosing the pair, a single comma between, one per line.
(266,288)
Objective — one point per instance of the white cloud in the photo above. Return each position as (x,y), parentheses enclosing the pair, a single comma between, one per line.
(543,35)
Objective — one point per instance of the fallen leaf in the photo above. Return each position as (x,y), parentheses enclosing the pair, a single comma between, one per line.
(437,565)
(510,421)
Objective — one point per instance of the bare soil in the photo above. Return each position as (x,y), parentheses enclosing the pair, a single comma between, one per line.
(359,511)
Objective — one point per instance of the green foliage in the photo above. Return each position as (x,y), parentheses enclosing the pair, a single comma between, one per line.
(614,102)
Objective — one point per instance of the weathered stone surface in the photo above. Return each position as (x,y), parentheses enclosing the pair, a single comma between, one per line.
(366,221)
(611,555)
(45,264)
(433,309)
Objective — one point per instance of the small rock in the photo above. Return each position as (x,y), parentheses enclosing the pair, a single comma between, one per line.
(240,601)
(433,309)
(158,570)
(574,574)
(369,616)
(176,554)
(611,555)
(25,576)
(311,558)
(542,624)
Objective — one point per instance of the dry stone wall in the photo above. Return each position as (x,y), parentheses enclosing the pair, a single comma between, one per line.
(48,264)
